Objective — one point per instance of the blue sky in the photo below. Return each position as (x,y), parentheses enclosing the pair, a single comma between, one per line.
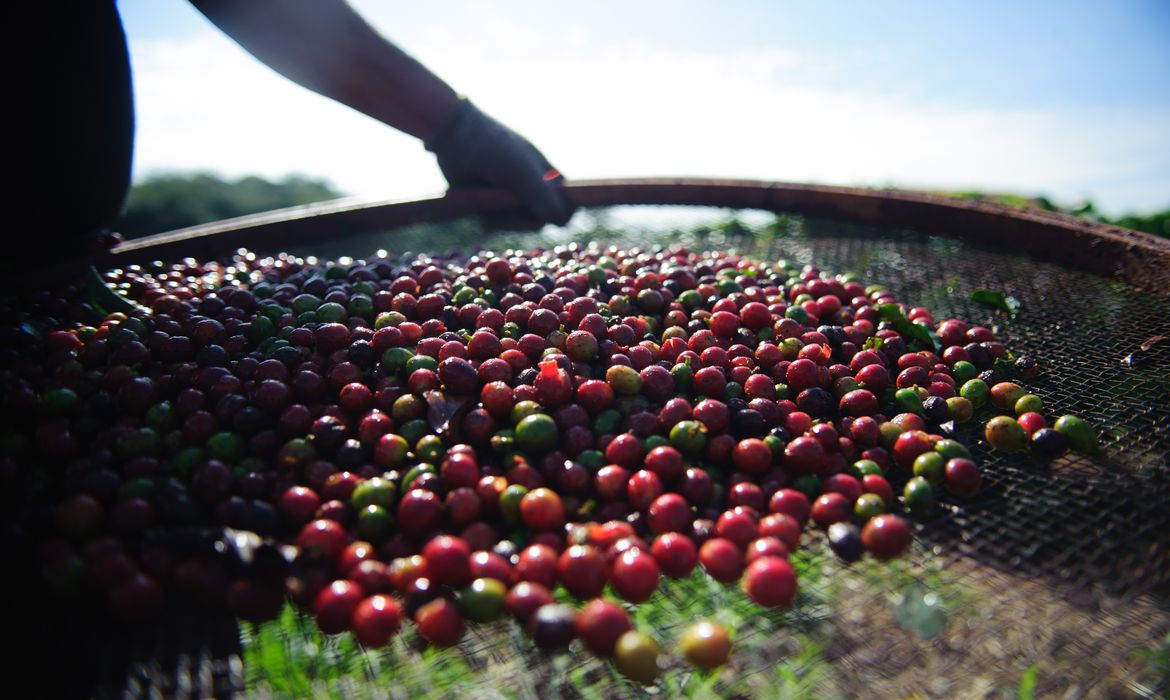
(1067,99)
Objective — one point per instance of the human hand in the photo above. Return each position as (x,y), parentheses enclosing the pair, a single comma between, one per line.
(475,150)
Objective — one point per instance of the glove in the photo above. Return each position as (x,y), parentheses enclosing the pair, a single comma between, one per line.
(475,150)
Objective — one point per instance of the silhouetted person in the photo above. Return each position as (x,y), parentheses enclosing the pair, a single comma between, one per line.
(76,125)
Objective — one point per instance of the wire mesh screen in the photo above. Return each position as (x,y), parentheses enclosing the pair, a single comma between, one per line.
(1095,522)
(1053,580)
(1065,564)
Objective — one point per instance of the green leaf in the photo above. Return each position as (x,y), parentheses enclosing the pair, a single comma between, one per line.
(996,300)
(914,331)
(1027,689)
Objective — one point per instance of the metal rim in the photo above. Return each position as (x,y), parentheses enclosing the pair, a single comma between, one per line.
(1140,259)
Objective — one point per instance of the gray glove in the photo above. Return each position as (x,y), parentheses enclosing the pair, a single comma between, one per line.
(475,150)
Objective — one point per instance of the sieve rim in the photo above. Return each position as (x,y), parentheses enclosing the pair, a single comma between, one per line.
(1140,259)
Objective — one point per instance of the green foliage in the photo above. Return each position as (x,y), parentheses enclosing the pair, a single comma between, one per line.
(1011,200)
(997,300)
(1157,223)
(916,331)
(1027,689)
(169,201)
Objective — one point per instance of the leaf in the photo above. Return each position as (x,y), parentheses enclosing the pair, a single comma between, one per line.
(914,331)
(104,297)
(1027,690)
(996,300)
(873,343)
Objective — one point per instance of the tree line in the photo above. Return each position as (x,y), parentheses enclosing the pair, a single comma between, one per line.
(165,202)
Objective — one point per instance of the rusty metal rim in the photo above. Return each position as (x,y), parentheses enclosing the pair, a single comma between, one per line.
(1140,259)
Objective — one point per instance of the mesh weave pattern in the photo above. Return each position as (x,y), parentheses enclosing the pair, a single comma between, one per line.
(1065,564)
(1097,522)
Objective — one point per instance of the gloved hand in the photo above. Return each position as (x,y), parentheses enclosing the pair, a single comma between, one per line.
(475,150)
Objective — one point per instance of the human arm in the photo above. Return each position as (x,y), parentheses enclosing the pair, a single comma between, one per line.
(325,46)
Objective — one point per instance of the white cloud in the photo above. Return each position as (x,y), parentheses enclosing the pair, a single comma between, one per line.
(635,110)
(202,103)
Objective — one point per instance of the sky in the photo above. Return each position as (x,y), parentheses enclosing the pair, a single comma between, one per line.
(1070,100)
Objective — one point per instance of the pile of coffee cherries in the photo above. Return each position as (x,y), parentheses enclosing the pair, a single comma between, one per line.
(448,439)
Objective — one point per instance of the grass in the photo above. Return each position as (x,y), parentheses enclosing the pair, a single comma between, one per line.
(1027,689)
(775,653)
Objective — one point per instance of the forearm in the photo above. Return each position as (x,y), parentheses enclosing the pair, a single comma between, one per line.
(326,47)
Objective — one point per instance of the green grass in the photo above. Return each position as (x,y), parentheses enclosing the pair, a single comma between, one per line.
(775,653)
(1027,689)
